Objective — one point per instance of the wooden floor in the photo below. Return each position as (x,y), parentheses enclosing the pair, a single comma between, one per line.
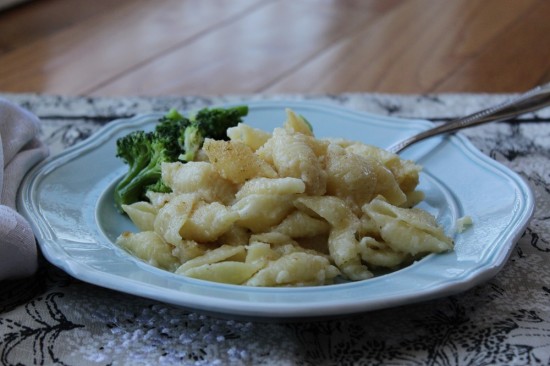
(199,47)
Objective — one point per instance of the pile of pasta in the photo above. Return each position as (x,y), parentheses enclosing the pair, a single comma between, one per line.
(284,209)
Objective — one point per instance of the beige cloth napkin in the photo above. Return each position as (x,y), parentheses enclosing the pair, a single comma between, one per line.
(20,149)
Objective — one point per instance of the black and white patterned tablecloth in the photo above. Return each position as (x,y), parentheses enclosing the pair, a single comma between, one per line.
(52,318)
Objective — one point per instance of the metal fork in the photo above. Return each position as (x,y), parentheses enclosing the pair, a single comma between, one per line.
(532,100)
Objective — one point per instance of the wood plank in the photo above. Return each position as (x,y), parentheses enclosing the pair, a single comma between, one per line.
(90,53)
(129,47)
(434,39)
(34,20)
(248,55)
(517,60)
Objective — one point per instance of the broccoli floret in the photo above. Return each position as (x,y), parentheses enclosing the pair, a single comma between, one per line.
(173,115)
(212,123)
(173,126)
(144,152)
(192,142)
(159,187)
(175,138)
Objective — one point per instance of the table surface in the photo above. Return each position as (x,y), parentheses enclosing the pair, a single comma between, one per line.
(52,318)
(192,47)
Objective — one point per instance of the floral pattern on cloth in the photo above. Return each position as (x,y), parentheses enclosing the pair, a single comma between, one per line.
(52,318)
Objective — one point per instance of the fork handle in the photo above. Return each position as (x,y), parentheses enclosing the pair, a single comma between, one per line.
(529,101)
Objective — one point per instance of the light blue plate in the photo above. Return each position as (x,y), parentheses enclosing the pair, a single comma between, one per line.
(68,200)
